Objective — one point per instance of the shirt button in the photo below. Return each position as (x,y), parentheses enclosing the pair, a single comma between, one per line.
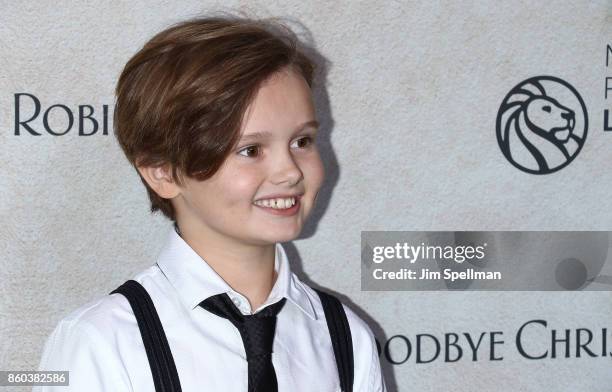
(236,301)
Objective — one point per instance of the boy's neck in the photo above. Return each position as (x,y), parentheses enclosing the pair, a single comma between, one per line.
(247,269)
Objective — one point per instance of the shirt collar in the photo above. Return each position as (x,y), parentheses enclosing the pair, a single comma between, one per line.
(195,280)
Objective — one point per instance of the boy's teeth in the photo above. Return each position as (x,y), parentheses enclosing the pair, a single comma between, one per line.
(278,203)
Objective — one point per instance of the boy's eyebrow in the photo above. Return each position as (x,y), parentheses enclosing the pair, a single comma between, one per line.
(268,134)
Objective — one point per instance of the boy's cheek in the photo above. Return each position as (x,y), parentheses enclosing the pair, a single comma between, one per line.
(317,173)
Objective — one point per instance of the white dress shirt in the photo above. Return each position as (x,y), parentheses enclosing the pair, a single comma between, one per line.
(100,343)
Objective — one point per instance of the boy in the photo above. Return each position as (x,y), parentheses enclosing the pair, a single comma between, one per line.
(216,114)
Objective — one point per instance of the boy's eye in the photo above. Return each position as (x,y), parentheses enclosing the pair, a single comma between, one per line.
(249,151)
(304,142)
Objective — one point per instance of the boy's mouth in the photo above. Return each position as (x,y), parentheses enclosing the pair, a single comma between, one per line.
(284,206)
(278,203)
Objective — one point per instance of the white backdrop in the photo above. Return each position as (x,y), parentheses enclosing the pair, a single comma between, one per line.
(409,112)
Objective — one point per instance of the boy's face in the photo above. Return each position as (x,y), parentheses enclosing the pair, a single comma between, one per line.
(282,161)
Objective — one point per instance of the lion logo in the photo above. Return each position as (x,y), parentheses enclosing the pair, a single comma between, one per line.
(542,125)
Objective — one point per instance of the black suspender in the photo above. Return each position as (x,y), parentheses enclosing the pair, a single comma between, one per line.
(165,376)
(341,338)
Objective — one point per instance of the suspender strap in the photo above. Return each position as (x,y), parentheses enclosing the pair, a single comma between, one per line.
(340,333)
(165,376)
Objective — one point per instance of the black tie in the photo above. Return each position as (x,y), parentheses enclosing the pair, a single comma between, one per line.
(257,332)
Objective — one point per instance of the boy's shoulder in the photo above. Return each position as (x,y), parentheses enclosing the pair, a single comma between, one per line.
(365,350)
(99,332)
(103,314)
(360,330)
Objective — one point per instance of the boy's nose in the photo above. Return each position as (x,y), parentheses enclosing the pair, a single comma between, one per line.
(286,170)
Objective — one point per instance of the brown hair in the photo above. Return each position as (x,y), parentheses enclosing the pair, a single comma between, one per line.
(181,99)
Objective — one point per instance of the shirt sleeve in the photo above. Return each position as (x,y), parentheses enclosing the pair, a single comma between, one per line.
(367,371)
(377,381)
(93,363)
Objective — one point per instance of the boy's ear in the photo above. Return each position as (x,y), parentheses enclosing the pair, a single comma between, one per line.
(160,180)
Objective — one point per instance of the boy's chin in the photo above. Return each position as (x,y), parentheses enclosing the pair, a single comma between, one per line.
(272,237)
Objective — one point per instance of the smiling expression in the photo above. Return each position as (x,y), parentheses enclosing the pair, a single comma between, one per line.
(267,185)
